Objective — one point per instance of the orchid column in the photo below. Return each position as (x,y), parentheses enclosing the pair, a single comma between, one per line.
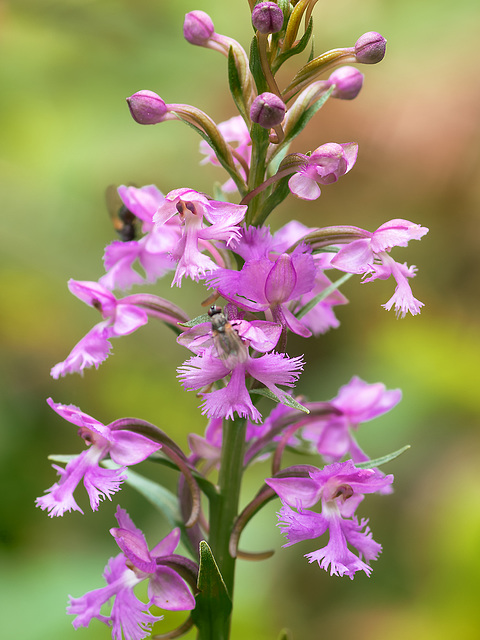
(272,285)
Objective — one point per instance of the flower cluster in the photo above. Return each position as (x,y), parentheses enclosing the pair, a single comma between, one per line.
(273,283)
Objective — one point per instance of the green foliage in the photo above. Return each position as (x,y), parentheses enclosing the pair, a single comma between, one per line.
(212,611)
(286,400)
(298,48)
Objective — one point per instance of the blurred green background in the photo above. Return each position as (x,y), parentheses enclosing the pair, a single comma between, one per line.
(65,134)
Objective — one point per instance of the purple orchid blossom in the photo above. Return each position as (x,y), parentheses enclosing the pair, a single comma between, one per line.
(268,285)
(324,166)
(124,448)
(340,487)
(129,617)
(152,251)
(356,402)
(208,367)
(192,207)
(120,318)
(370,255)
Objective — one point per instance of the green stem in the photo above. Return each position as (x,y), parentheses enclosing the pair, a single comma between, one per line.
(224,509)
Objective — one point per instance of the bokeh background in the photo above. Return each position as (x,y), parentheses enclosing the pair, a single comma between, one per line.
(66,67)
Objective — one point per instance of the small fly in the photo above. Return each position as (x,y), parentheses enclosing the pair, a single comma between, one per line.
(228,344)
(124,221)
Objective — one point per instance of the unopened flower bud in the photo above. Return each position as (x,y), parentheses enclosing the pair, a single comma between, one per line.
(267,17)
(267,110)
(348,81)
(198,28)
(147,107)
(370,48)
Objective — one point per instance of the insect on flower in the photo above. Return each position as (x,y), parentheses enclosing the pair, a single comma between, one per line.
(228,343)
(124,221)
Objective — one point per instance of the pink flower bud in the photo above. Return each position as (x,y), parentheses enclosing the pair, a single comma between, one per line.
(198,28)
(267,17)
(267,110)
(147,107)
(348,81)
(370,48)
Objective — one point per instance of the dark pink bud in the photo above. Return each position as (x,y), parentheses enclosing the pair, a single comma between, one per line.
(198,28)
(146,107)
(267,17)
(370,48)
(348,81)
(267,110)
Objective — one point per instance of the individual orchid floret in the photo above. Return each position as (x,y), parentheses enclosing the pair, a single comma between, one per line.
(370,255)
(340,488)
(261,335)
(213,365)
(198,28)
(348,82)
(326,165)
(268,285)
(267,17)
(233,131)
(370,48)
(192,207)
(146,107)
(267,110)
(357,402)
(120,318)
(124,448)
(129,617)
(152,251)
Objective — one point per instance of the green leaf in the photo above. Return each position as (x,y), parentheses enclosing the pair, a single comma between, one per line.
(286,400)
(370,464)
(321,296)
(285,634)
(212,611)
(194,321)
(256,68)
(298,48)
(64,459)
(236,86)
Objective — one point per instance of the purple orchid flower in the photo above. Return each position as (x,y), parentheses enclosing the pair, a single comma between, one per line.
(340,487)
(209,366)
(120,318)
(152,251)
(326,165)
(357,402)
(124,448)
(192,207)
(370,255)
(267,285)
(129,617)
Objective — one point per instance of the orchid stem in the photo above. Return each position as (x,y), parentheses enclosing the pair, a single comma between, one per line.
(224,508)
